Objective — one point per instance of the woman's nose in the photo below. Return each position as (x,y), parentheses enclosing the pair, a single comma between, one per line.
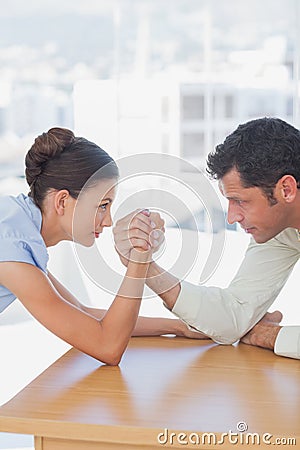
(107,220)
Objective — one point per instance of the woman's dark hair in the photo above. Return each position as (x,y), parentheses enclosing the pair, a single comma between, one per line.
(262,151)
(59,160)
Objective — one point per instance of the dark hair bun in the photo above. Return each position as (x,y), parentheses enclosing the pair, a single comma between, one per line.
(46,146)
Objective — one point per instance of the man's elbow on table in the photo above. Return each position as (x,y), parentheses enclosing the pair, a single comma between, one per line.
(219,313)
(232,329)
(226,338)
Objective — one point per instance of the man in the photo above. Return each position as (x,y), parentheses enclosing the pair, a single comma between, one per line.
(258,170)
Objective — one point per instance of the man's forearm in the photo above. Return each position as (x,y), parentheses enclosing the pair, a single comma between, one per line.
(163,284)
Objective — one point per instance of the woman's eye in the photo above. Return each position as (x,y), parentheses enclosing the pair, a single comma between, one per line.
(103,207)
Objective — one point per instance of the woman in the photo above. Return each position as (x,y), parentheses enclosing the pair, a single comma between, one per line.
(58,167)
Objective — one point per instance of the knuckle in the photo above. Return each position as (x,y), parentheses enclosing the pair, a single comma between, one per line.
(133,222)
(135,242)
(156,217)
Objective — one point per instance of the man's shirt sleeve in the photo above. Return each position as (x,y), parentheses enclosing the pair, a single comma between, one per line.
(225,315)
(288,342)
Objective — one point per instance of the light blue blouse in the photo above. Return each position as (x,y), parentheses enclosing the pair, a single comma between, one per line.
(20,237)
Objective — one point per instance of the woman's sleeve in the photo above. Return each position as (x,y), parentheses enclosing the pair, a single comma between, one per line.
(15,249)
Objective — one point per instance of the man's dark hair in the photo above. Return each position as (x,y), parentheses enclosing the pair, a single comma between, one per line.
(262,151)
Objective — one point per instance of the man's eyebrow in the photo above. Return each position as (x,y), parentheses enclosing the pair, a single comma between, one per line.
(235,198)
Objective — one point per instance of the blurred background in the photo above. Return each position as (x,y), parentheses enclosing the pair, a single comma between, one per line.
(137,76)
(172,76)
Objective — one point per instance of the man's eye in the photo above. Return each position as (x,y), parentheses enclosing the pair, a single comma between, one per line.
(103,207)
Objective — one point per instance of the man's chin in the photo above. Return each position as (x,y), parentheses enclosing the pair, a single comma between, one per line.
(259,239)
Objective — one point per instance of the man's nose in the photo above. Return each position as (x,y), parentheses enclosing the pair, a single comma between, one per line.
(234,215)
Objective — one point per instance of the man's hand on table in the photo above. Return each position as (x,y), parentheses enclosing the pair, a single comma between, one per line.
(265,332)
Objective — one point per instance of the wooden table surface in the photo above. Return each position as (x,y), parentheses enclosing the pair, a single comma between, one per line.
(162,383)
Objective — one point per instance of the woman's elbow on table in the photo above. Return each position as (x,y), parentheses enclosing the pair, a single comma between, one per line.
(110,357)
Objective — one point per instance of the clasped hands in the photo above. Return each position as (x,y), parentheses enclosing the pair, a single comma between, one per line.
(138,235)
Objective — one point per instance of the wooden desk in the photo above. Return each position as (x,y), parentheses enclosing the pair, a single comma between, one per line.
(162,383)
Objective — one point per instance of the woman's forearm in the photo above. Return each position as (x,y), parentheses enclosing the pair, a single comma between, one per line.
(120,319)
(145,326)
(156,326)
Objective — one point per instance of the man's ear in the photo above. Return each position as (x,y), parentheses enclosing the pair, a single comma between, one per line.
(60,201)
(287,186)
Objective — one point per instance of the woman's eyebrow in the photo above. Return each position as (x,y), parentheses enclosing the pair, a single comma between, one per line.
(108,199)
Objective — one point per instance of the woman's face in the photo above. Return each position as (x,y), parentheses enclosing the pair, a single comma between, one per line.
(92,212)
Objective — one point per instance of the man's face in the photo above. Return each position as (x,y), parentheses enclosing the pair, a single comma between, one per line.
(251,208)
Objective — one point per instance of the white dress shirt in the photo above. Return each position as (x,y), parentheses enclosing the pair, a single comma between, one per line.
(225,315)
(288,342)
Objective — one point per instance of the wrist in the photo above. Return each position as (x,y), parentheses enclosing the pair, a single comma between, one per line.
(179,327)
(140,256)
(153,269)
(172,326)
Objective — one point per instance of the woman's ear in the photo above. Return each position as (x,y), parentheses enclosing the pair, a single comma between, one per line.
(288,188)
(61,199)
